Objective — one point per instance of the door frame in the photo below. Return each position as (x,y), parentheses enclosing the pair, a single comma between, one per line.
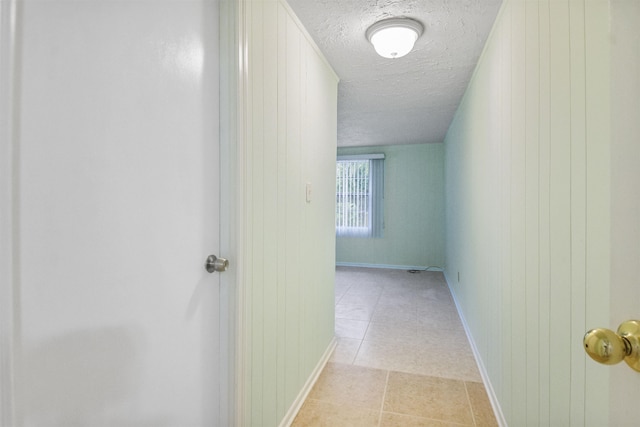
(232,308)
(8,217)
(234,87)
(230,381)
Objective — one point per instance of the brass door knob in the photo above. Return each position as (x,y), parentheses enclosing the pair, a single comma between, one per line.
(608,347)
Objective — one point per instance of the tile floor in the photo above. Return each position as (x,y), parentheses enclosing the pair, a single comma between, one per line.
(402,358)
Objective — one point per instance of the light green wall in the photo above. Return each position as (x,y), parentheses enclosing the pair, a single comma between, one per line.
(528,220)
(288,243)
(413,210)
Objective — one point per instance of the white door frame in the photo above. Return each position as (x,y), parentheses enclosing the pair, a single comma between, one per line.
(235,31)
(232,85)
(7,218)
(233,125)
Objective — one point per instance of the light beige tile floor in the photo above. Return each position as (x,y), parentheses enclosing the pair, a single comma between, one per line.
(402,358)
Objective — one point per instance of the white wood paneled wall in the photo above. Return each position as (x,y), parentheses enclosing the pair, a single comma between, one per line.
(289,243)
(528,221)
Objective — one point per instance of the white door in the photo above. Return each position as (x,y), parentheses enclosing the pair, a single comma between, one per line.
(116,179)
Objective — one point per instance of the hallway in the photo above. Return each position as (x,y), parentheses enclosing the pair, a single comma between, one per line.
(402,358)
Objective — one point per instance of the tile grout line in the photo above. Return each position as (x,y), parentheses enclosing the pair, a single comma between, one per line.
(355,356)
(384,396)
(343,294)
(473,415)
(365,334)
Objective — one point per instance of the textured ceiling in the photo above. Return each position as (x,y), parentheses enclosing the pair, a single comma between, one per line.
(398,101)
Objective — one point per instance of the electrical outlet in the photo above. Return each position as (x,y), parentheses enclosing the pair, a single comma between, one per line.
(308,192)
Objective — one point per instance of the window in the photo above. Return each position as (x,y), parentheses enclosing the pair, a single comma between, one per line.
(359,195)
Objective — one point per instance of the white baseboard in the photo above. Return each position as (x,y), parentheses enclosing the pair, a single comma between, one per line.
(302,396)
(497,410)
(389,266)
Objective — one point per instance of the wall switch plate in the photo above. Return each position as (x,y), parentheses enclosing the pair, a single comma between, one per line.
(308,192)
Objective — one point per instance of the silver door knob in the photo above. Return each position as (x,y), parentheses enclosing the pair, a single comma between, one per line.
(216,264)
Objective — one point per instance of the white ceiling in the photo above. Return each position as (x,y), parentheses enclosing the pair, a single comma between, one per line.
(398,101)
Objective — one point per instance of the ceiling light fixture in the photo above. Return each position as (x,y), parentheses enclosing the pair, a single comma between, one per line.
(394,37)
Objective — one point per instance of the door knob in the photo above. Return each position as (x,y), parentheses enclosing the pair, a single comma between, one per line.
(216,264)
(608,347)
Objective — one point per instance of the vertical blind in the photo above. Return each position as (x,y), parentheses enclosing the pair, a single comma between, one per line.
(359,195)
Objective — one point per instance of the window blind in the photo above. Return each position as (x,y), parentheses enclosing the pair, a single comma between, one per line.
(359,195)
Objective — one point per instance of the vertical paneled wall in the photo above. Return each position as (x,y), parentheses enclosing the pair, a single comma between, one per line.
(289,243)
(413,234)
(527,188)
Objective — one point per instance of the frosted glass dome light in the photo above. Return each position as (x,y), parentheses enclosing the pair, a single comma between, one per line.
(394,38)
